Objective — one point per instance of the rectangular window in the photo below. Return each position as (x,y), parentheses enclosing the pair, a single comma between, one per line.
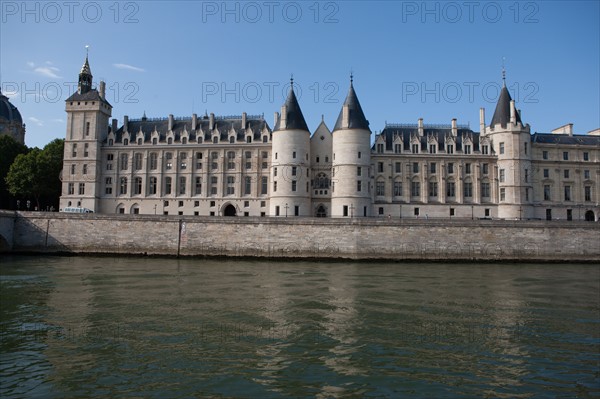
(359,186)
(183,160)
(586,156)
(432,168)
(74,151)
(153,161)
(380,148)
(468,190)
(397,148)
(85,150)
(87,128)
(123,186)
(566,173)
(345,210)
(213,185)
(138,161)
(247,185)
(415,167)
(467,149)
(450,149)
(198,186)
(71,188)
(415,189)
(546,173)
(485,150)
(587,193)
(544,154)
(415,148)
(168,185)
(450,189)
(294,185)
(485,190)
(358,171)
(450,168)
(274,186)
(152,185)
(380,167)
(502,194)
(433,189)
(468,168)
(416,212)
(296,210)
(294,170)
(264,185)
(230,185)
(485,168)
(547,195)
(182,185)
(397,189)
(398,167)
(502,177)
(567,193)
(169,160)
(73,169)
(501,148)
(380,188)
(432,148)
(586,174)
(124,161)
(525,148)
(565,155)
(230,160)
(526,175)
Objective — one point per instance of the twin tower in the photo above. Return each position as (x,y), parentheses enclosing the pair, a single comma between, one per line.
(292,165)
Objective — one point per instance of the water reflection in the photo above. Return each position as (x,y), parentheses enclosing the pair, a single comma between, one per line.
(83,327)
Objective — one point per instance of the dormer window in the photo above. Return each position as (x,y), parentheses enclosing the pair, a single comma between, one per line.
(125,141)
(184,140)
(170,140)
(231,140)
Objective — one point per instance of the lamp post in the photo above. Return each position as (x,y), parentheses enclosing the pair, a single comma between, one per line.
(286,209)
(472,213)
(520,212)
(351,210)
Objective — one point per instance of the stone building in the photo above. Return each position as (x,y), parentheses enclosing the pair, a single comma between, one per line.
(239,166)
(11,122)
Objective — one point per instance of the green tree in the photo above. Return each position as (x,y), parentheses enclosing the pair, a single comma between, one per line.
(9,149)
(37,173)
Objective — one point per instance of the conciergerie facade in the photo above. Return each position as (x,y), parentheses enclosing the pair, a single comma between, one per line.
(239,166)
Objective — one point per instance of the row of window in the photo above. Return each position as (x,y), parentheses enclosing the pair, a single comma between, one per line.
(587,193)
(416,148)
(450,168)
(181,188)
(184,140)
(415,189)
(183,160)
(567,174)
(565,155)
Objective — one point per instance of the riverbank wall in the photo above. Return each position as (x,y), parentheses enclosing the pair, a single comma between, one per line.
(301,238)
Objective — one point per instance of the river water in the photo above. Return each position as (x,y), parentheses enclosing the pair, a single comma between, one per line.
(78,327)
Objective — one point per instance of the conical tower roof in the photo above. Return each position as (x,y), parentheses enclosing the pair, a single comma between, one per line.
(356,118)
(502,112)
(294,117)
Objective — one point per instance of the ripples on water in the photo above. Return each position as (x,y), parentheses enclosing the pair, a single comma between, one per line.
(157,328)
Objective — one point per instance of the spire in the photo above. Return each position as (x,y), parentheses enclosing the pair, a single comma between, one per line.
(356,117)
(294,119)
(85,75)
(502,112)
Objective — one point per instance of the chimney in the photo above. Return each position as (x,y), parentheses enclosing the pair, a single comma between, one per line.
(211,122)
(244,116)
(194,121)
(454,127)
(283,123)
(115,125)
(520,114)
(125,123)
(345,117)
(482,120)
(513,112)
(421,127)
(170,122)
(276,118)
(564,129)
(102,89)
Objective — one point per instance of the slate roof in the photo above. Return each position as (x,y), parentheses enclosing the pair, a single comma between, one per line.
(91,95)
(502,112)
(576,139)
(294,118)
(356,118)
(222,124)
(406,132)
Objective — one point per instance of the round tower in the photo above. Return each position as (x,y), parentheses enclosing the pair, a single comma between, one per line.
(511,141)
(351,161)
(290,162)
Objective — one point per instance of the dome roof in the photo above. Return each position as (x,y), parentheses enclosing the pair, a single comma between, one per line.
(9,111)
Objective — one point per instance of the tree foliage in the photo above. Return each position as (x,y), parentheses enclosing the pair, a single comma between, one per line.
(37,173)
(9,149)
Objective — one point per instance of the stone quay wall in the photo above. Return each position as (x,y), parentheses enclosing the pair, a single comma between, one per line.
(309,238)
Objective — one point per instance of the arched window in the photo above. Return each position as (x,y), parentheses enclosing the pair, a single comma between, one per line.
(184,140)
(125,141)
(231,140)
(321,182)
(170,140)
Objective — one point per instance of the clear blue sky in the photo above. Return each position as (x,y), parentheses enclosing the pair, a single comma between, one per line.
(435,60)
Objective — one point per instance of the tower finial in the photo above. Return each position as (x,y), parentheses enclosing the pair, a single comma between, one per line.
(351,76)
(503,72)
(292,80)
(87,50)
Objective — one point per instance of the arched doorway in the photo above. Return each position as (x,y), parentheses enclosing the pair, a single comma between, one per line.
(229,210)
(321,212)
(589,216)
